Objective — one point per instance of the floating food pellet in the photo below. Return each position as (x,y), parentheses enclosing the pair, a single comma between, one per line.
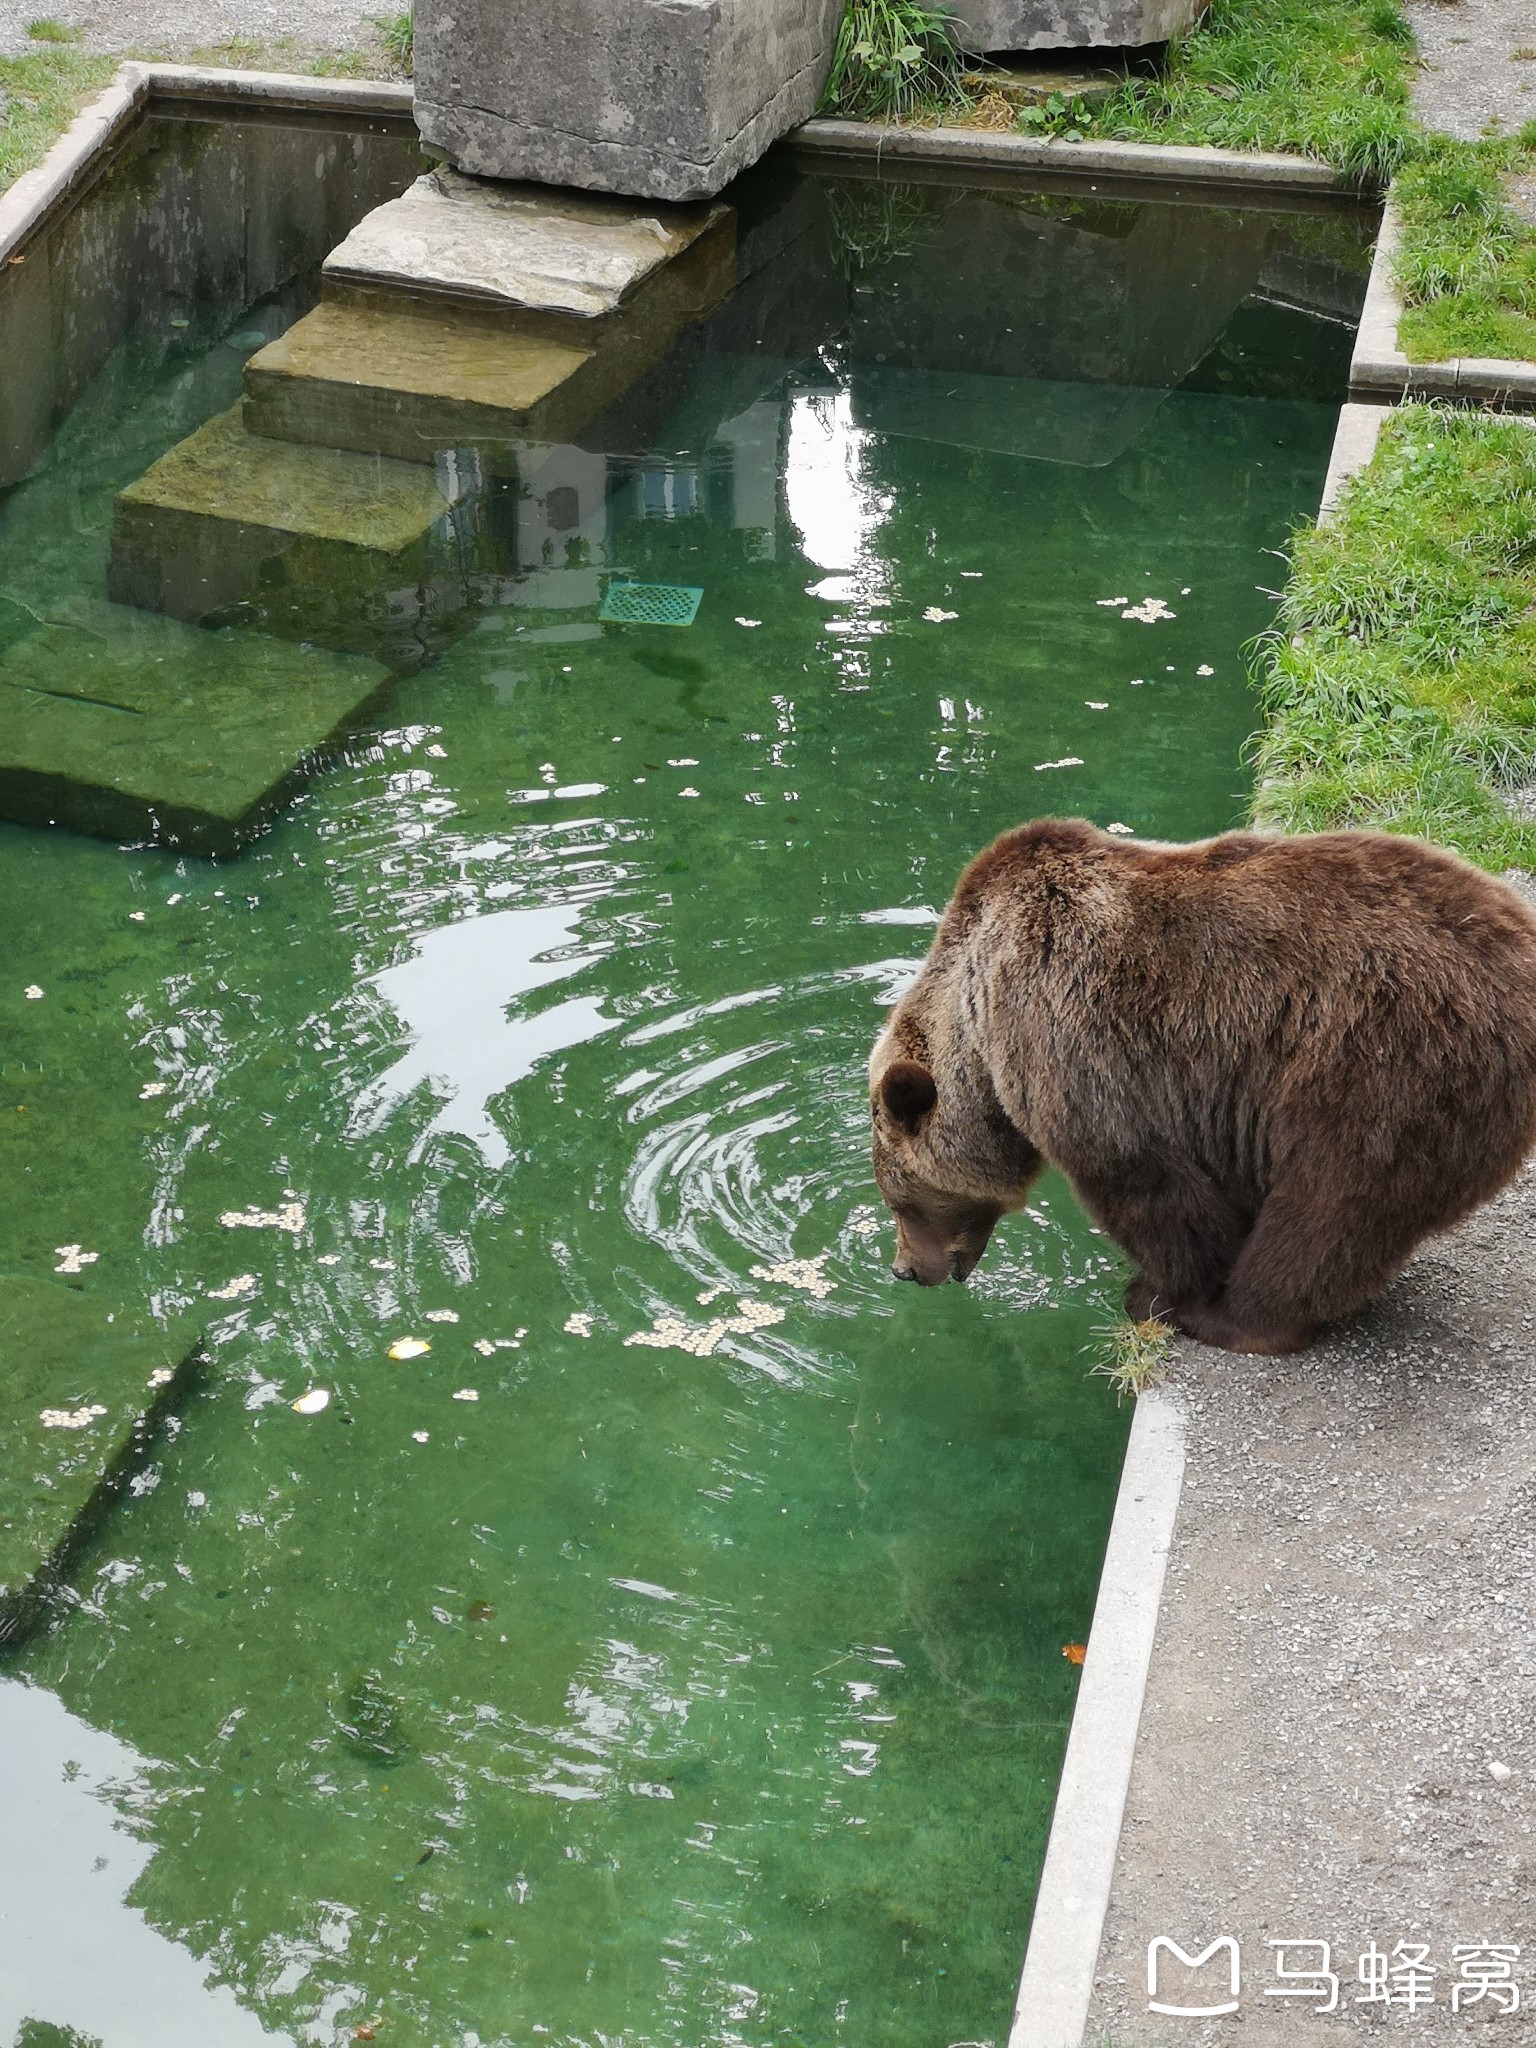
(418,1436)
(805,1274)
(71,1418)
(312,1403)
(32,992)
(467,1394)
(1105,602)
(409,1347)
(1088,701)
(152,1089)
(72,1259)
(485,1347)
(749,622)
(1121,831)
(936,615)
(289,1217)
(442,1315)
(1205,669)
(381,1265)
(238,1289)
(160,1377)
(329,1259)
(1149,611)
(1066,761)
(579,1324)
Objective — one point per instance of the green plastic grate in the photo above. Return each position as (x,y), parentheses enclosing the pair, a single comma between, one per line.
(650,604)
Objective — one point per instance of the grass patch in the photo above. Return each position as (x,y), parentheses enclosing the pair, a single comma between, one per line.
(49,31)
(1399,685)
(894,59)
(1318,78)
(1137,1356)
(43,92)
(397,32)
(1467,267)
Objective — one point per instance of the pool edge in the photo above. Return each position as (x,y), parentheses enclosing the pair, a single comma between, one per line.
(1056,1987)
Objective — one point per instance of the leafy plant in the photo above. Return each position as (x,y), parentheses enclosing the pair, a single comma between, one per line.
(893,59)
(1064,117)
(1137,1356)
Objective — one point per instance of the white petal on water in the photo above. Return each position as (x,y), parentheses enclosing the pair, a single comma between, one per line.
(72,1259)
(312,1403)
(408,1347)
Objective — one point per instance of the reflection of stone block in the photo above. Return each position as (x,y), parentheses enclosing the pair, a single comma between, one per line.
(214,520)
(1072,24)
(647,96)
(100,1385)
(120,722)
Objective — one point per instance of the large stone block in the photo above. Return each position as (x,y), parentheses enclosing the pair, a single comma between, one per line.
(1072,24)
(668,99)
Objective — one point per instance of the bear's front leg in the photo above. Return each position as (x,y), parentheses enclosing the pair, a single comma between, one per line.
(1174,1221)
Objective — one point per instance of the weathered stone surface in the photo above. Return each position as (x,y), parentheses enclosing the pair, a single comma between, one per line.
(664,98)
(122,723)
(411,377)
(1072,24)
(514,246)
(66,1355)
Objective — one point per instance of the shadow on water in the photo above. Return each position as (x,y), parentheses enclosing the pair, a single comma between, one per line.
(656,1635)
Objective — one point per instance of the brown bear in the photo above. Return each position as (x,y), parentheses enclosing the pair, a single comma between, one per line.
(1269,1067)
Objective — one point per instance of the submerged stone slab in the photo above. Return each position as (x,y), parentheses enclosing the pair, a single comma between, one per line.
(125,724)
(514,246)
(668,99)
(1072,24)
(227,514)
(79,1397)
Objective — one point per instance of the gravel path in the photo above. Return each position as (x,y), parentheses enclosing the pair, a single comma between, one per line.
(178,28)
(1347,1645)
(1471,76)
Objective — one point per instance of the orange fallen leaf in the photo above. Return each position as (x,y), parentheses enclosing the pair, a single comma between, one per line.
(1074,1652)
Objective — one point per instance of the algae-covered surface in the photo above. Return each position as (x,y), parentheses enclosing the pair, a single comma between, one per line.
(648,1626)
(122,721)
(80,1384)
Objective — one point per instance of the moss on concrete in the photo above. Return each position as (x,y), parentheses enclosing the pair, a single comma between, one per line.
(124,723)
(81,1388)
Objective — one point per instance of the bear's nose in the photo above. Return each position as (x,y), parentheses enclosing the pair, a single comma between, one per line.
(903,1270)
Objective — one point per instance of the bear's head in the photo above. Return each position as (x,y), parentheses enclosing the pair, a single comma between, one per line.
(947,1159)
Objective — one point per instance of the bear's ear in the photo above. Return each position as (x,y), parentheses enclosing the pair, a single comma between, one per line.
(908,1092)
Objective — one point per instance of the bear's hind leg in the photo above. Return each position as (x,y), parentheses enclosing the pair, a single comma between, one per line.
(1311,1258)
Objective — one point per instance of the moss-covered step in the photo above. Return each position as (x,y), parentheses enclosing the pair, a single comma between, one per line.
(215,519)
(123,723)
(81,1389)
(406,381)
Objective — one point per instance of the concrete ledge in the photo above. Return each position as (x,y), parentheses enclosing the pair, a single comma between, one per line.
(1380,370)
(1057,1985)
(1354,443)
(972,147)
(83,148)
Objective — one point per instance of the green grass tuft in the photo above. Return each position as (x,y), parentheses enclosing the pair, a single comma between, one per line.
(893,59)
(1137,1356)
(397,32)
(43,92)
(46,30)
(1399,685)
(1319,78)
(1467,267)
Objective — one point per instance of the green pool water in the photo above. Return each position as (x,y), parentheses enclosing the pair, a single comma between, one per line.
(672,1653)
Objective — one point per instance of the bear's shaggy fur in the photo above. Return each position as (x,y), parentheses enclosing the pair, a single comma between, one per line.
(1269,1067)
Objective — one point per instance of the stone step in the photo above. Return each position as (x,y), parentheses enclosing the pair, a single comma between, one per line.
(290,540)
(80,1393)
(516,247)
(125,724)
